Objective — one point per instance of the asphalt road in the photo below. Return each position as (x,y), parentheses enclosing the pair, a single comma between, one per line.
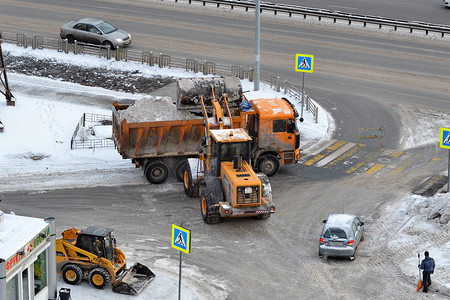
(358,77)
(412,10)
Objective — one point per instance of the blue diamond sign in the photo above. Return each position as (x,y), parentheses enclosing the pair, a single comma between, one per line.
(304,63)
(445,138)
(181,238)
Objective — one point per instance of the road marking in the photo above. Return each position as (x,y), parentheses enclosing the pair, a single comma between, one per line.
(328,151)
(375,168)
(358,165)
(397,153)
(335,154)
(325,146)
(345,156)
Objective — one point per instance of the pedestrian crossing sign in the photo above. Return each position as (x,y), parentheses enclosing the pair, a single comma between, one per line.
(445,138)
(304,63)
(181,238)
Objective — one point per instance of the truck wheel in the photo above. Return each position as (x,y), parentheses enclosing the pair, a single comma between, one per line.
(268,164)
(99,278)
(156,171)
(178,168)
(190,187)
(72,274)
(210,213)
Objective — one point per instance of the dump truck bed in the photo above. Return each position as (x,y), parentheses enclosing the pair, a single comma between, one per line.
(158,138)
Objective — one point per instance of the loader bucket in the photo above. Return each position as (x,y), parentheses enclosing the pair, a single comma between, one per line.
(189,91)
(133,280)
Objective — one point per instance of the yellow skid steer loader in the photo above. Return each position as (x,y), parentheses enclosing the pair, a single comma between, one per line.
(92,255)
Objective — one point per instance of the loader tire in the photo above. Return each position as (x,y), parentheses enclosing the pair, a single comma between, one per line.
(210,212)
(156,171)
(190,186)
(178,168)
(265,186)
(268,164)
(263,216)
(72,274)
(99,278)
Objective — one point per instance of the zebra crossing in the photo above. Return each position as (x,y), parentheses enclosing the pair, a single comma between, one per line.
(351,158)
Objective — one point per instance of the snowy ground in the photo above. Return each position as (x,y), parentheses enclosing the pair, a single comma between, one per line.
(35,146)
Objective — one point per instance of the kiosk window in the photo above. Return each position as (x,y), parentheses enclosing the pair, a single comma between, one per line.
(40,272)
(12,292)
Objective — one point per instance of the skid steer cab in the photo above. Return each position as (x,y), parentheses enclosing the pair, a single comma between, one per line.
(92,255)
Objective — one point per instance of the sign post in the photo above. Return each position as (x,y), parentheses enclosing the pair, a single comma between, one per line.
(181,240)
(304,63)
(445,143)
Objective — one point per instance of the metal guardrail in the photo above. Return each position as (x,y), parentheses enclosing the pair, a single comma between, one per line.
(291,10)
(153,59)
(90,143)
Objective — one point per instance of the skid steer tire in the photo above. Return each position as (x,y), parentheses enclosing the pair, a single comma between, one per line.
(178,168)
(191,187)
(99,278)
(156,172)
(268,164)
(210,212)
(72,274)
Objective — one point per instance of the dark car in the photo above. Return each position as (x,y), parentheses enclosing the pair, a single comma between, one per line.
(95,31)
(341,235)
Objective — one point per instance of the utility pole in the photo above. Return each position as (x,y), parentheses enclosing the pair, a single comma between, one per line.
(257,45)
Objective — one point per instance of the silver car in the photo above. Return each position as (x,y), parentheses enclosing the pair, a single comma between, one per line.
(95,31)
(341,235)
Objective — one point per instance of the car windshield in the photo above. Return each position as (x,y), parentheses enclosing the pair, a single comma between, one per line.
(106,28)
(335,232)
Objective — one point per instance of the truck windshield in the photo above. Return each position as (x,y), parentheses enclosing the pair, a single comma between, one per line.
(228,150)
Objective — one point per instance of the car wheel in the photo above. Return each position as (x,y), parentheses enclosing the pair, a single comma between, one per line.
(352,258)
(70,39)
(108,43)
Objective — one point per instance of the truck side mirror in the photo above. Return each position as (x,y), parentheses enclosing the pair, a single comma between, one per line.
(204,141)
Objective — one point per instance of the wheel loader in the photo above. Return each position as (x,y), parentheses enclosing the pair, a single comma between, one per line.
(222,175)
(92,255)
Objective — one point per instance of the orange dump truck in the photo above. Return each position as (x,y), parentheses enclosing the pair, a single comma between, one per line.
(162,145)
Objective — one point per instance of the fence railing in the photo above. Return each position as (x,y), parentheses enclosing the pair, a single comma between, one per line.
(153,59)
(320,14)
(78,142)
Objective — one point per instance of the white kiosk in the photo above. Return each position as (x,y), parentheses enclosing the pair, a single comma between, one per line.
(27,258)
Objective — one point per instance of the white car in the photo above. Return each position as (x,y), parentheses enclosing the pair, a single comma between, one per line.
(95,31)
(341,235)
(447,3)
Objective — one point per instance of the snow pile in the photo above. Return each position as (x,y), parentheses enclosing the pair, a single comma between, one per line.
(152,109)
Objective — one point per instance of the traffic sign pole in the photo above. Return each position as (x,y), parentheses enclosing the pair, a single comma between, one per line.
(179,278)
(304,63)
(303,96)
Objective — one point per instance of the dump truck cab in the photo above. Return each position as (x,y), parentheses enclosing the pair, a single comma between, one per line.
(272,124)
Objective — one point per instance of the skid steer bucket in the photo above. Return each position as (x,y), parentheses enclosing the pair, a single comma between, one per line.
(189,91)
(133,280)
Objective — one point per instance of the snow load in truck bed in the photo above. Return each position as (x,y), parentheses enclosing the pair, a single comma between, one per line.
(152,109)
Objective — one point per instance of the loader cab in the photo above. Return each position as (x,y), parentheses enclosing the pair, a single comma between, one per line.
(227,143)
(98,241)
